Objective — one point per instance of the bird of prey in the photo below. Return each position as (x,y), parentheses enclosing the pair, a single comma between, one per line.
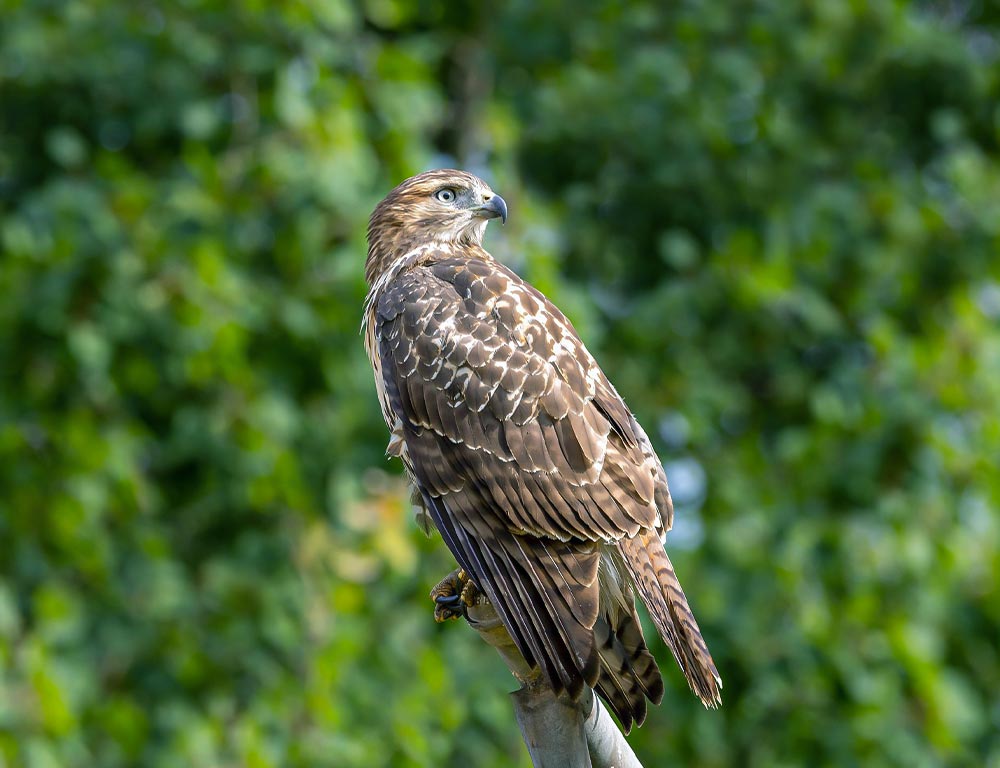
(522,454)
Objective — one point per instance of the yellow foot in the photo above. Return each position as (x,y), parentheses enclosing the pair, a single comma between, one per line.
(454,595)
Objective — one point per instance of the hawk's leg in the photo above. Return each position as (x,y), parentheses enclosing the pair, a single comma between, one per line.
(454,595)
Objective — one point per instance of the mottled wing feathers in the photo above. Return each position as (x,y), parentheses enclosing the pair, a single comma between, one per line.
(485,362)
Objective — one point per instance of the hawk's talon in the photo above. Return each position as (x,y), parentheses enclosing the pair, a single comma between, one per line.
(454,595)
(471,595)
(449,607)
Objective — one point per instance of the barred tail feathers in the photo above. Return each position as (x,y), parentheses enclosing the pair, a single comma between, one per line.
(628,671)
(656,581)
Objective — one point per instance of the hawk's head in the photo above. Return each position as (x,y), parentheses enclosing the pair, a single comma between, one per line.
(444,206)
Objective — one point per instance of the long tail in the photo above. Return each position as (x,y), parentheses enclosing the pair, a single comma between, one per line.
(628,671)
(657,583)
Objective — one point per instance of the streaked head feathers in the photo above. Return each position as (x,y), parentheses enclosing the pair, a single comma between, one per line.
(446,206)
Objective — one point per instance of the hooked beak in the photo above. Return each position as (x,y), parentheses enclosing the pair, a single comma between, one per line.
(494,208)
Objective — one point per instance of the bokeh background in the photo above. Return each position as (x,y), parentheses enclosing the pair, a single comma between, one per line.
(776,223)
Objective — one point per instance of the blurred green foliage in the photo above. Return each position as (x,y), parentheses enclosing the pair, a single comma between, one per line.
(776,223)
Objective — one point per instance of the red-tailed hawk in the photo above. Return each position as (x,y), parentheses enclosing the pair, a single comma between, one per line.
(542,484)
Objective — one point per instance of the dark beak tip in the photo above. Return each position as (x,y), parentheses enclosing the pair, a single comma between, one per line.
(499,206)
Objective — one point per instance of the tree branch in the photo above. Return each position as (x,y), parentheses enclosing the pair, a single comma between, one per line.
(558,732)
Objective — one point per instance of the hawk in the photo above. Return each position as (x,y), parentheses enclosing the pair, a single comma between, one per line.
(522,454)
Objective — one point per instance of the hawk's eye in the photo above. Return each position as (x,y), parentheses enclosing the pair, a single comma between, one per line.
(446,195)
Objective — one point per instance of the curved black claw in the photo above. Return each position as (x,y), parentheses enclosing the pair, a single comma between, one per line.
(450,606)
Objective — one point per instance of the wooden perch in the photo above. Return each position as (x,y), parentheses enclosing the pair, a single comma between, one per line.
(559,732)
